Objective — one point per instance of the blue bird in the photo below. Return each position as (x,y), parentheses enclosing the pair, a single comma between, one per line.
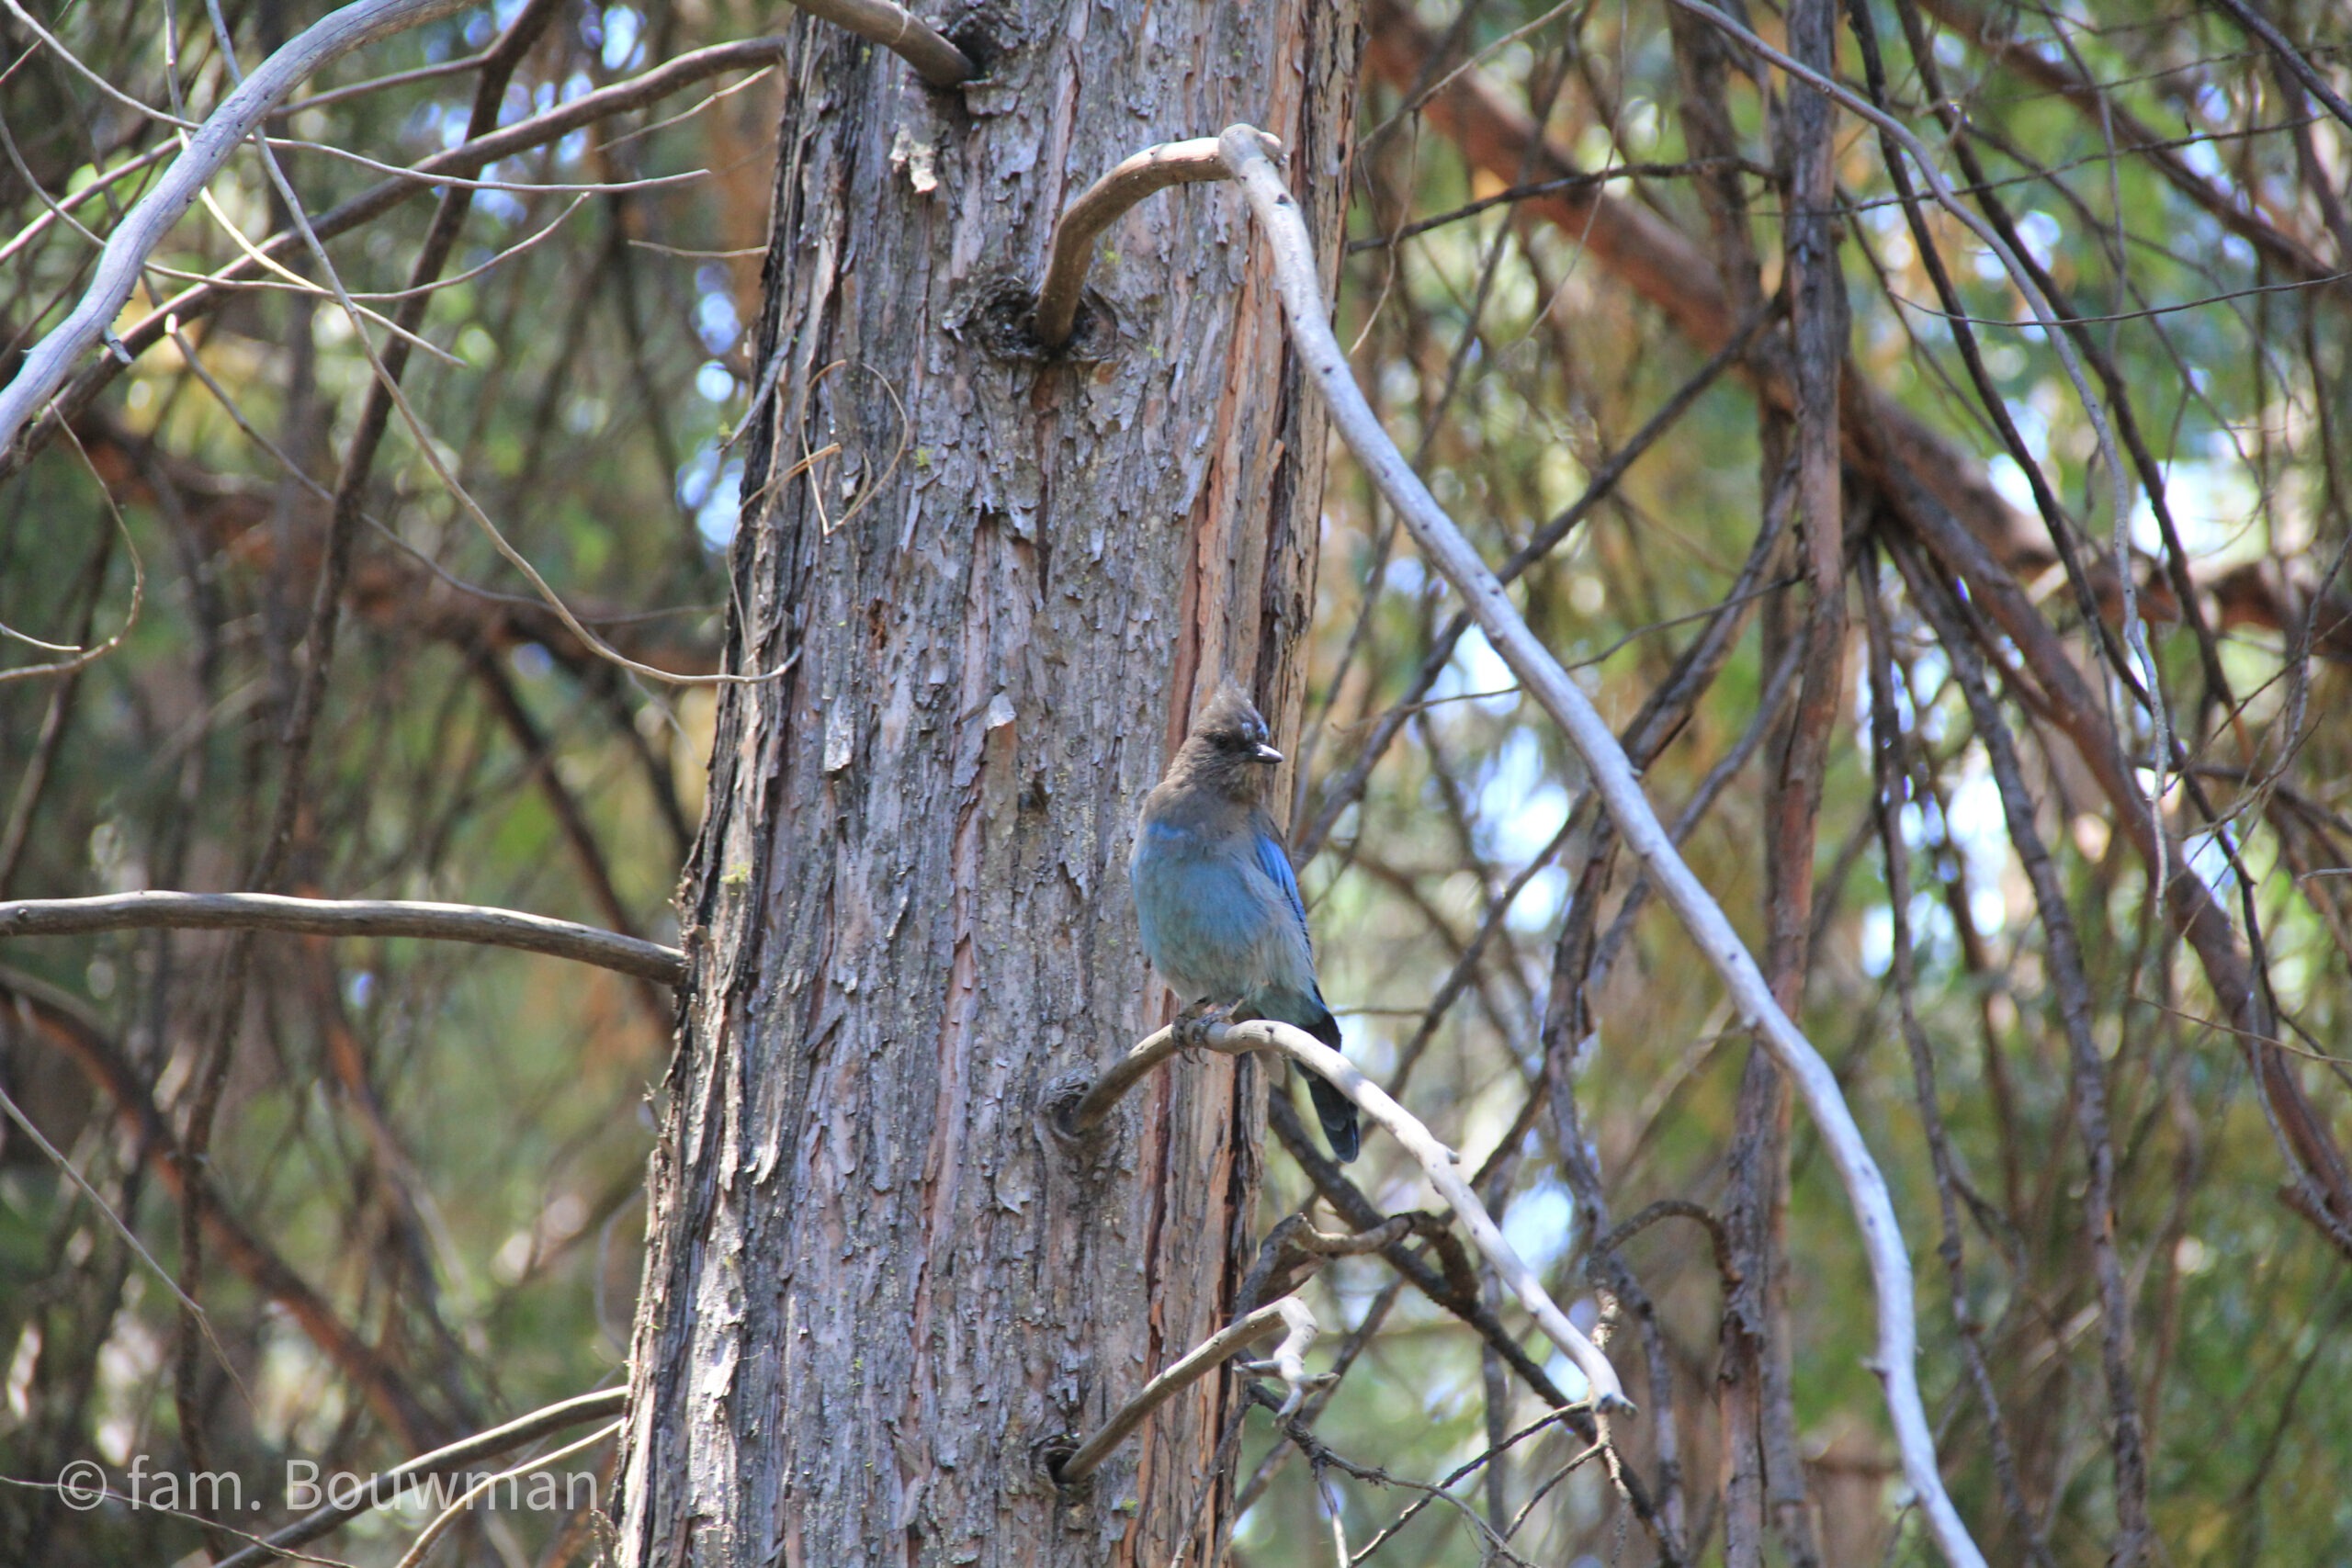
(1219,908)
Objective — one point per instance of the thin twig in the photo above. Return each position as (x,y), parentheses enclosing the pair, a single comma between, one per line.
(620,97)
(2045,313)
(465,1501)
(58,1157)
(390,1485)
(53,358)
(2261,26)
(66,1024)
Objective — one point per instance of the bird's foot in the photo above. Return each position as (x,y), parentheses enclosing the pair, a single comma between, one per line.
(1193,1026)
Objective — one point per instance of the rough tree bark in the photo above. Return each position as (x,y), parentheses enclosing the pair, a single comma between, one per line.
(876,1287)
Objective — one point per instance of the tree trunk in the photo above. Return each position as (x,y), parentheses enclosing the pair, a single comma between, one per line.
(877,1286)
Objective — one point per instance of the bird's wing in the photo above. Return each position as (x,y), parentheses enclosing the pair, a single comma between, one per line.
(1274,861)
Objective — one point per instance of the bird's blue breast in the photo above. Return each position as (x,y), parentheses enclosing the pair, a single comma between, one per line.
(1214,923)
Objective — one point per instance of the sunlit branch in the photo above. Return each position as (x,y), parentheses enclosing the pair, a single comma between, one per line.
(620,97)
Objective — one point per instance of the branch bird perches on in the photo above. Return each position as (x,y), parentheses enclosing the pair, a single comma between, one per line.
(1440,1164)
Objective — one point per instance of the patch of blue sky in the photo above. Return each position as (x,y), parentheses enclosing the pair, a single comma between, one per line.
(2211,500)
(2208,858)
(1933,939)
(1475,667)
(624,46)
(501,206)
(1539,903)
(716,321)
(1540,1224)
(2040,232)
(1979,829)
(709,487)
(716,518)
(1520,807)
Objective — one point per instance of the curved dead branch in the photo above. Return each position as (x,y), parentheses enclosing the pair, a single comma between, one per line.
(1100,205)
(1442,545)
(902,32)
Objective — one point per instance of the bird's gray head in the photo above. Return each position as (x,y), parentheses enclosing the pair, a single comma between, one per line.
(1227,749)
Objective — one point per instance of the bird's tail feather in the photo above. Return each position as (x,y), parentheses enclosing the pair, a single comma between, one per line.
(1337,1114)
(1334,1109)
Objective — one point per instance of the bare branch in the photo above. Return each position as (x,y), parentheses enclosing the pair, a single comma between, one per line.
(1289,1360)
(2243,211)
(58,1157)
(1443,544)
(329,917)
(465,1501)
(2261,26)
(63,1022)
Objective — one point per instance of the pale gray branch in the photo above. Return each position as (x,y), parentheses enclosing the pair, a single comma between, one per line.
(1289,1360)
(330,917)
(1443,544)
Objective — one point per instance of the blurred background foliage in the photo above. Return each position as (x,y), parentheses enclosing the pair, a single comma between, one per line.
(446,1144)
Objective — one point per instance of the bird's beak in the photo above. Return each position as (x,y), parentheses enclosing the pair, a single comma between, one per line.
(1266,754)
